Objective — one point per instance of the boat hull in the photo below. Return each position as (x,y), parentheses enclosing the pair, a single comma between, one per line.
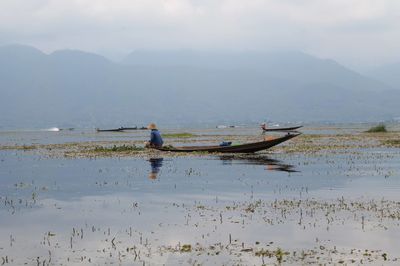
(282,129)
(243,148)
(109,130)
(116,129)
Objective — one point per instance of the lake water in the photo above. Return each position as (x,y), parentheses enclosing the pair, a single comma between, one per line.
(124,211)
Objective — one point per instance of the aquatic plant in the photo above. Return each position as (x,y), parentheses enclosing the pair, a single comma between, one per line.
(19,147)
(115,148)
(28,147)
(182,135)
(263,253)
(186,248)
(377,129)
(168,147)
(252,206)
(392,142)
(279,253)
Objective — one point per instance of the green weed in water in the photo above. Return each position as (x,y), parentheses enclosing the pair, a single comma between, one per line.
(179,135)
(115,148)
(377,129)
(186,248)
(392,142)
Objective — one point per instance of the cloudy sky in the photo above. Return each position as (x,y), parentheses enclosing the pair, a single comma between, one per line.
(357,33)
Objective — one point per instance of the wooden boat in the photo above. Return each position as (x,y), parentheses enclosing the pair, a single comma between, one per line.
(109,130)
(243,148)
(128,128)
(281,128)
(116,129)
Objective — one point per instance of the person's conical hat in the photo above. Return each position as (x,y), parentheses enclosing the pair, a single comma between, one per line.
(152,126)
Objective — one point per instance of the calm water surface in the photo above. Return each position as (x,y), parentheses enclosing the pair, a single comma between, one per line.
(91,211)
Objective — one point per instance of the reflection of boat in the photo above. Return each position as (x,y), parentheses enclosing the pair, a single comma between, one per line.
(271,164)
(243,148)
(281,128)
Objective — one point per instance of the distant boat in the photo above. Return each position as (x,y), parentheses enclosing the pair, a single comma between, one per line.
(243,148)
(120,129)
(281,128)
(109,130)
(128,128)
(221,126)
(53,129)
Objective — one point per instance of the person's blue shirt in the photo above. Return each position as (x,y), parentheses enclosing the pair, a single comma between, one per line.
(155,138)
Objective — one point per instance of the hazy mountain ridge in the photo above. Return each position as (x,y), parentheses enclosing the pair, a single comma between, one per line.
(292,65)
(74,87)
(389,74)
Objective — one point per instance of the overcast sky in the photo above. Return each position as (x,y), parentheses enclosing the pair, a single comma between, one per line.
(357,33)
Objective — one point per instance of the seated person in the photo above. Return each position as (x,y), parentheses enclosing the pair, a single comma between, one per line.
(155,137)
(264,126)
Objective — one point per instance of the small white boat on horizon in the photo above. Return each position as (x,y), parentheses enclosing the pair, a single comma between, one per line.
(52,129)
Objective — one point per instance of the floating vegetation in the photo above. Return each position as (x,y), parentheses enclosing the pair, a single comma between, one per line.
(278,253)
(19,147)
(186,248)
(168,147)
(183,135)
(121,148)
(29,147)
(377,129)
(392,142)
(306,144)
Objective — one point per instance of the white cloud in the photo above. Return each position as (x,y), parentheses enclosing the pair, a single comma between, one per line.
(331,28)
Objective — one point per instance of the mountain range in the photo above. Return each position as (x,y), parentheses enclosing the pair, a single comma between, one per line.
(389,74)
(75,88)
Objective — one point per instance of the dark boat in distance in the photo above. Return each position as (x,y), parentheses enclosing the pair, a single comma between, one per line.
(120,129)
(243,148)
(108,130)
(281,128)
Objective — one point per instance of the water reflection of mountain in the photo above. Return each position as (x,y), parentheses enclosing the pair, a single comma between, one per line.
(270,164)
